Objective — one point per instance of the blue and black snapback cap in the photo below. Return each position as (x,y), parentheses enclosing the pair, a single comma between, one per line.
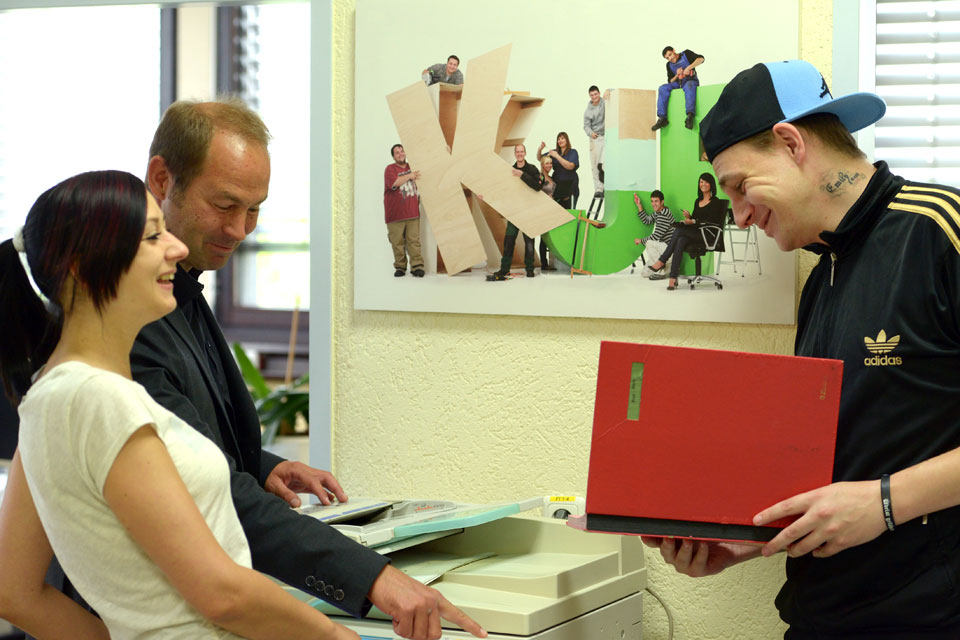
(771,92)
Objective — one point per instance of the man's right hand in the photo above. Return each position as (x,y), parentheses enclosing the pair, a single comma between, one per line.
(698,559)
(416,609)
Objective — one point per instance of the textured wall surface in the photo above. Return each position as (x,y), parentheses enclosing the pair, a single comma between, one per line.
(487,408)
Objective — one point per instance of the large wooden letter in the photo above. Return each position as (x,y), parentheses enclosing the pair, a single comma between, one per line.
(473,163)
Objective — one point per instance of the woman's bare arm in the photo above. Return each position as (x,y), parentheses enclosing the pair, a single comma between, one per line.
(25,599)
(148,496)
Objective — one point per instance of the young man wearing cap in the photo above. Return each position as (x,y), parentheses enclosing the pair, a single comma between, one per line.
(876,554)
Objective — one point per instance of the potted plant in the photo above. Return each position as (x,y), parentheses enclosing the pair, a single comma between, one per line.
(277,408)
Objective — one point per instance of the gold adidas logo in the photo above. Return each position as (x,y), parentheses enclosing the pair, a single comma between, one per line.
(880,346)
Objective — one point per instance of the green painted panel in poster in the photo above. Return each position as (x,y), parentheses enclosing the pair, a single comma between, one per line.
(680,160)
(629,164)
(617,246)
(608,250)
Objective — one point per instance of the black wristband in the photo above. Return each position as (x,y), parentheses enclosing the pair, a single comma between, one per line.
(885,501)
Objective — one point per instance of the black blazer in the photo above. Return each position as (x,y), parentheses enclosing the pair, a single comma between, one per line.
(298,550)
(9,427)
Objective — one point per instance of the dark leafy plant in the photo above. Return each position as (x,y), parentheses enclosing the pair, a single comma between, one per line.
(277,408)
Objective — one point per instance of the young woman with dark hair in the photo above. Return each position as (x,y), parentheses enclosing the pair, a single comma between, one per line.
(706,206)
(135,503)
(565,162)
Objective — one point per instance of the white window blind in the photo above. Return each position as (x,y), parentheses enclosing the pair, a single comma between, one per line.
(918,75)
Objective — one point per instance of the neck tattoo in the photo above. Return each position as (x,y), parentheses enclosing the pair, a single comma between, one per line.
(842,179)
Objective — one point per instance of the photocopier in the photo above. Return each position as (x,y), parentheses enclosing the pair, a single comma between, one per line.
(518,575)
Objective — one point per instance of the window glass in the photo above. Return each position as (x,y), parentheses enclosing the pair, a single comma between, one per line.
(273,265)
(79,91)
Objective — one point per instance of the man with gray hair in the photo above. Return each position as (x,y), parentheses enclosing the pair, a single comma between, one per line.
(530,177)
(875,554)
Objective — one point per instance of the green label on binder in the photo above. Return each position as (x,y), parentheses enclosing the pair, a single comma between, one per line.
(636,382)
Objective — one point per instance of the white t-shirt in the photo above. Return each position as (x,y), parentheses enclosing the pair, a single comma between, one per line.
(73,422)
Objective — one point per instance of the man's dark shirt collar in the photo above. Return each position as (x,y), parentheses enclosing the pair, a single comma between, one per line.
(186,287)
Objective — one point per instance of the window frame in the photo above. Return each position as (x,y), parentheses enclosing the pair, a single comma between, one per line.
(854,56)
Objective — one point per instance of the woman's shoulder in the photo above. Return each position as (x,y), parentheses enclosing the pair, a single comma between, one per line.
(72,382)
(73,374)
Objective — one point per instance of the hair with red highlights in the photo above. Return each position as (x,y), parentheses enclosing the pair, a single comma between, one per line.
(89,226)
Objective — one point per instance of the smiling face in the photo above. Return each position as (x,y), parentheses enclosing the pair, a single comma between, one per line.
(656,203)
(595,97)
(520,152)
(146,288)
(671,56)
(452,65)
(704,187)
(563,143)
(546,163)
(399,155)
(766,188)
(219,207)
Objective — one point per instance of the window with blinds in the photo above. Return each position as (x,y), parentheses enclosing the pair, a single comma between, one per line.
(918,75)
